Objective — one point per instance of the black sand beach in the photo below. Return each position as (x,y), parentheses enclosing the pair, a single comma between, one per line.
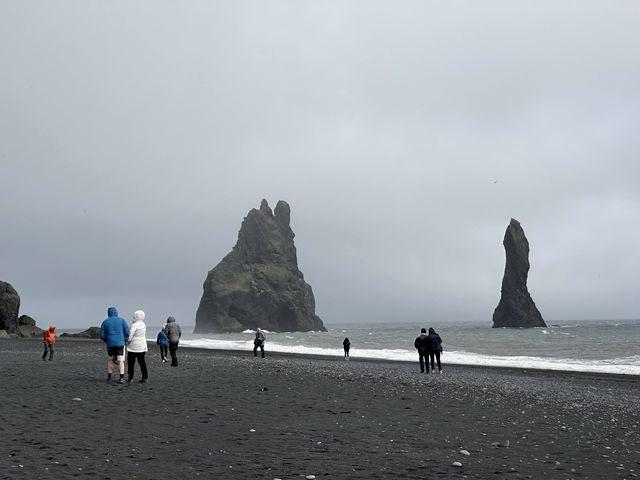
(228,415)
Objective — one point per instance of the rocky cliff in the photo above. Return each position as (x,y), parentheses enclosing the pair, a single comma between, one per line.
(9,307)
(258,284)
(516,307)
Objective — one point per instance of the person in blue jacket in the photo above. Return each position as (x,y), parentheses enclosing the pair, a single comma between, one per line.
(258,342)
(163,343)
(435,349)
(115,332)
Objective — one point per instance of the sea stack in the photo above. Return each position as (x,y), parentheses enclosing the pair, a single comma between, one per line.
(516,307)
(258,283)
(9,307)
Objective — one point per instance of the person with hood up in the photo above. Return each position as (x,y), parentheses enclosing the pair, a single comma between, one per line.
(435,349)
(173,333)
(114,331)
(258,342)
(49,340)
(346,344)
(422,345)
(163,343)
(137,346)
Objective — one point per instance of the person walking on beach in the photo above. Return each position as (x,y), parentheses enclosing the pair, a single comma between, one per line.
(346,344)
(49,340)
(137,346)
(173,333)
(258,342)
(435,349)
(163,343)
(115,332)
(422,345)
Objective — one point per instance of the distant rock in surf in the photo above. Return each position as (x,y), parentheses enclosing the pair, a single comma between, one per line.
(9,307)
(91,332)
(258,284)
(516,307)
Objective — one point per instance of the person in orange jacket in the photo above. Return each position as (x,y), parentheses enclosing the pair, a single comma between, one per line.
(49,340)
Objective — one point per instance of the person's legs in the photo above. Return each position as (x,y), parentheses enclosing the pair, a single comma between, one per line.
(50,351)
(174,357)
(431,356)
(131,363)
(262,350)
(255,350)
(44,354)
(143,366)
(439,364)
(421,358)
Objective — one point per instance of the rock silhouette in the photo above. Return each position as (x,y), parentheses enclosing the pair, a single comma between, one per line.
(258,284)
(516,307)
(9,307)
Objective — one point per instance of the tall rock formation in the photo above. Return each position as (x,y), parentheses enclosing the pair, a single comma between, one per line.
(9,307)
(258,283)
(516,307)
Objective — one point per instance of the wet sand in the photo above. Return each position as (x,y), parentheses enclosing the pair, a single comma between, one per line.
(228,415)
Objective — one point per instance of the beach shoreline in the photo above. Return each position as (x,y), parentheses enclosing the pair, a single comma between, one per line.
(225,414)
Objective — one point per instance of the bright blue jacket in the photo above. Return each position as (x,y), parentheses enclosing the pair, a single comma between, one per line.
(162,339)
(114,330)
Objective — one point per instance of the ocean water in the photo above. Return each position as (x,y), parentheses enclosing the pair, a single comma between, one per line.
(607,346)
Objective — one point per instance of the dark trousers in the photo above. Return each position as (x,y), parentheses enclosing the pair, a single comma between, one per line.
(437,356)
(346,352)
(163,352)
(131,363)
(48,347)
(423,359)
(255,350)
(173,347)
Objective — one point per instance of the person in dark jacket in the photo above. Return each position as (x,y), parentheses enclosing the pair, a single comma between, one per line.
(115,332)
(163,343)
(435,349)
(422,345)
(346,344)
(258,342)
(173,333)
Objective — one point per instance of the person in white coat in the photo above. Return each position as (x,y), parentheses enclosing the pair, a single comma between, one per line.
(137,346)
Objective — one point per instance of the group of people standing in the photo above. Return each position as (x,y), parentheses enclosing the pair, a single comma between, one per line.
(429,348)
(115,332)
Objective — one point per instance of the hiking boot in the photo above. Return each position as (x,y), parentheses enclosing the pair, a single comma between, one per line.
(440,372)
(143,380)
(121,380)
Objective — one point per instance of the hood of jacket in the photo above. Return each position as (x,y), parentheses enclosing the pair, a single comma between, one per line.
(431,330)
(52,328)
(171,320)
(112,312)
(138,315)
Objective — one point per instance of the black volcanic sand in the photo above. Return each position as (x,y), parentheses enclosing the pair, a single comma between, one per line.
(228,415)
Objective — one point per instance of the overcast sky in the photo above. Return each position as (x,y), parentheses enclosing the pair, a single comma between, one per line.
(135,136)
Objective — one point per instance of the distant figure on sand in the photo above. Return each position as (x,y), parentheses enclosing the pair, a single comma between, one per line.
(115,332)
(163,343)
(346,344)
(137,346)
(258,342)
(49,340)
(422,345)
(173,333)
(435,349)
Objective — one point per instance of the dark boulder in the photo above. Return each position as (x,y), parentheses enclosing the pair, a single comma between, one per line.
(29,331)
(9,307)
(516,307)
(91,332)
(258,284)
(26,320)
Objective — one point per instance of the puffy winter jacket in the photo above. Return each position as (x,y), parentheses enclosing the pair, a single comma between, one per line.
(50,335)
(137,334)
(172,330)
(114,330)
(422,343)
(162,339)
(435,342)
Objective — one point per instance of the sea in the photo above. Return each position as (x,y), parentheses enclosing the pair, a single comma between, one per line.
(605,346)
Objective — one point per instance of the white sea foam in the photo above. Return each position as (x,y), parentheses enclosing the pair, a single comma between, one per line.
(625,365)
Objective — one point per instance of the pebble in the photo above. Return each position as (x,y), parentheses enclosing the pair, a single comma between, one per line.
(252,430)
(310,477)
(464,452)
(77,399)
(456,464)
